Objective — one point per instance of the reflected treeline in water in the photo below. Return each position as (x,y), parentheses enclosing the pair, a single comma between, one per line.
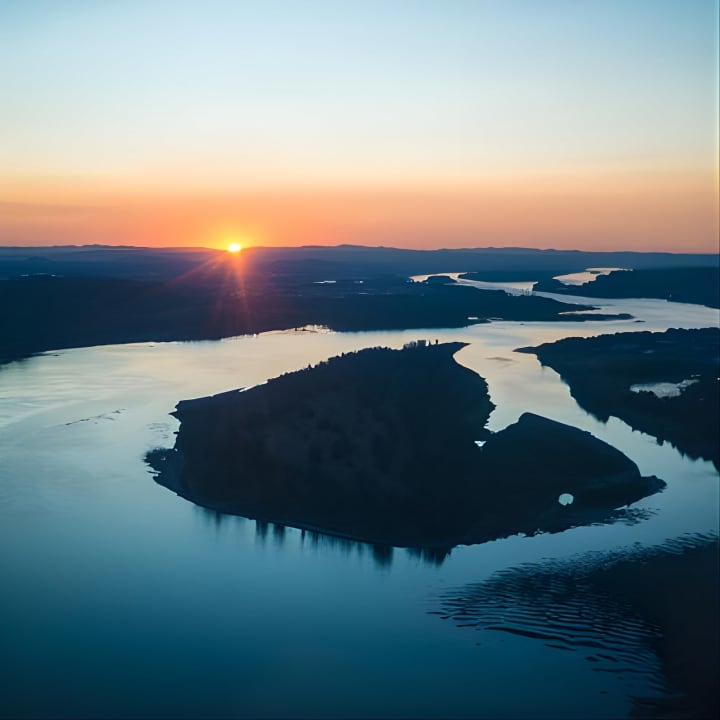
(279,534)
(648,613)
(383,555)
(217,519)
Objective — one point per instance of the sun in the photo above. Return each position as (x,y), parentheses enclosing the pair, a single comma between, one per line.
(234,247)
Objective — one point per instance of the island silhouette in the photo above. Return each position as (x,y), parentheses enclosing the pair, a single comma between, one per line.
(390,447)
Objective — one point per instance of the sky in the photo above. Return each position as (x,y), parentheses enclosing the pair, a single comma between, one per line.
(588,124)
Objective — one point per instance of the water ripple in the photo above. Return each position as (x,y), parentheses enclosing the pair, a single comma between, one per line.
(559,603)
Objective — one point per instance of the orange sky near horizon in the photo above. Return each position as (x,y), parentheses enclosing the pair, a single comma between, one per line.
(648,211)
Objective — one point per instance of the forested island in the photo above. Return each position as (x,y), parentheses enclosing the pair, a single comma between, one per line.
(382,446)
(632,376)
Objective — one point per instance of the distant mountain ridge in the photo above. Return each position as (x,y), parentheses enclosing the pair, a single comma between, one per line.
(164,263)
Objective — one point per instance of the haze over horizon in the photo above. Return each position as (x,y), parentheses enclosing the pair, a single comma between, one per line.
(590,126)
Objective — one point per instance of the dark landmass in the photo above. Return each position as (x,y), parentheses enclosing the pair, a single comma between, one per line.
(61,297)
(379,446)
(698,285)
(601,370)
(226,297)
(652,611)
(327,263)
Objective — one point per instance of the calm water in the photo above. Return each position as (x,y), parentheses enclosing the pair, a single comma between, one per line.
(121,599)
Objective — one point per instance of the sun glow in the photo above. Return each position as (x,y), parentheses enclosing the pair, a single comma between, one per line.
(234,247)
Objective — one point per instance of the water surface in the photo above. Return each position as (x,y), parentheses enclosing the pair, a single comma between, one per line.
(121,599)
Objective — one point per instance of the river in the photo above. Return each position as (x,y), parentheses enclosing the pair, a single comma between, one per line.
(121,599)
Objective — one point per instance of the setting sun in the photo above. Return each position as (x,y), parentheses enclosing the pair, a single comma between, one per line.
(234,247)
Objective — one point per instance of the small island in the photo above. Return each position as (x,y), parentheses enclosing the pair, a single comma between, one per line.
(390,447)
(663,384)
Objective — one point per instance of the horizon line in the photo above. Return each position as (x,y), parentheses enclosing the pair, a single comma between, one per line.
(200,248)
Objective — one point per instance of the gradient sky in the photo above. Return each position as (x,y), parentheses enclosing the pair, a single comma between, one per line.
(413,123)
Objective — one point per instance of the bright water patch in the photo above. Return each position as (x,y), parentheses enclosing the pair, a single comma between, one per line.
(586,276)
(664,389)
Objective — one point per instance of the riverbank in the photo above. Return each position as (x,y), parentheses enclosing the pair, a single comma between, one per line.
(625,374)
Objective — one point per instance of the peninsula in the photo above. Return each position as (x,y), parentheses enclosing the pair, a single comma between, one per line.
(663,384)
